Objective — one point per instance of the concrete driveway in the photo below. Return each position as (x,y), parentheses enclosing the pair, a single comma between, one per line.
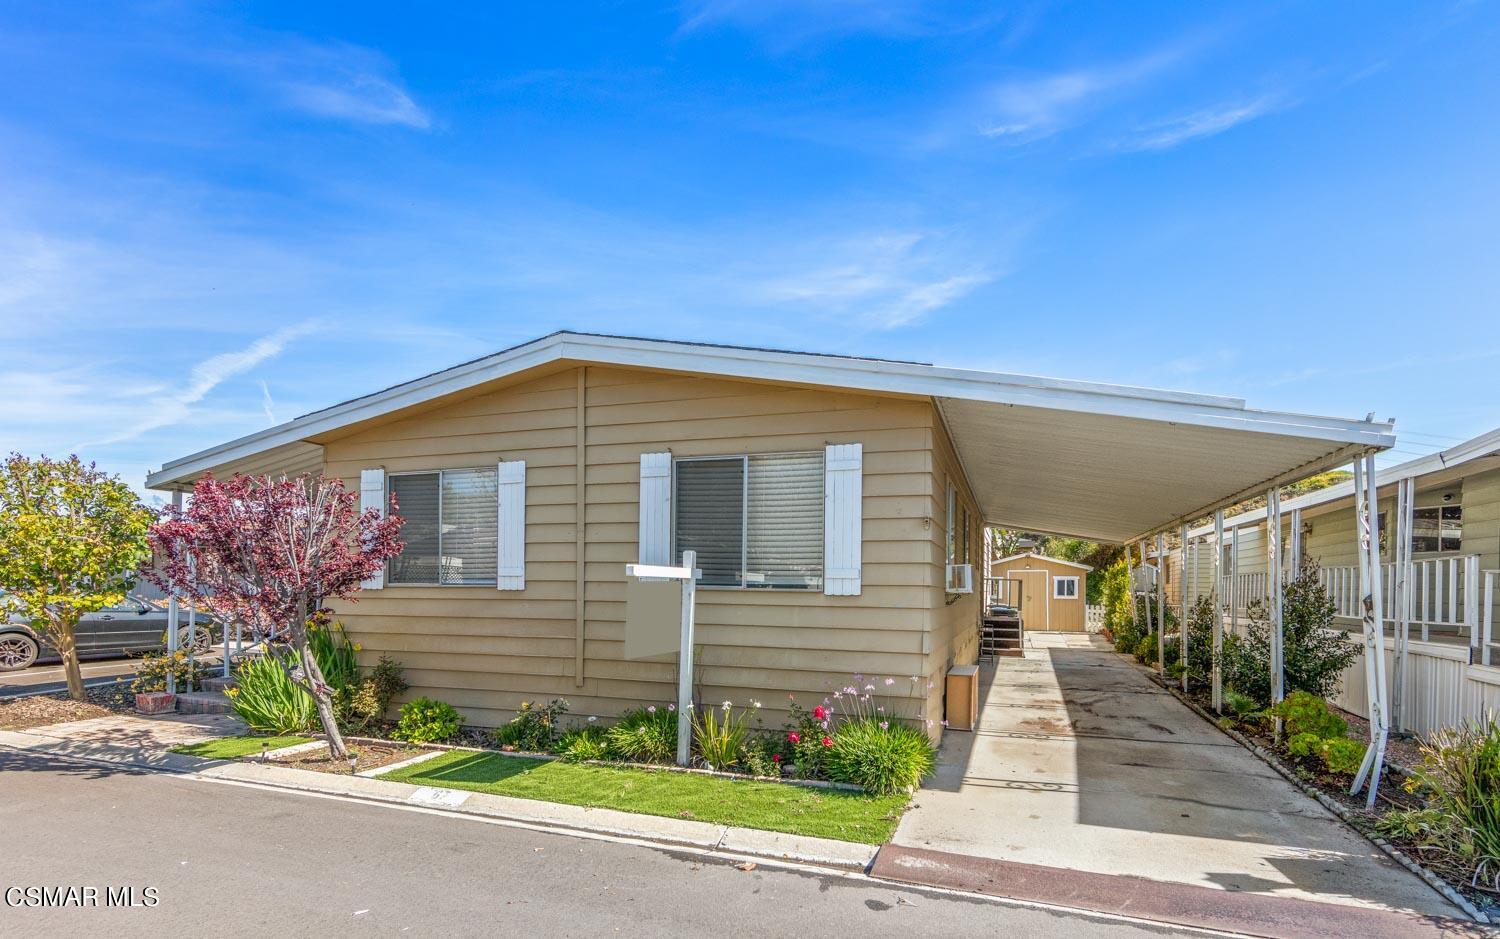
(1081,763)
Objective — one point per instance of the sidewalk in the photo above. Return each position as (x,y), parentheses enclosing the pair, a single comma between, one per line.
(145,743)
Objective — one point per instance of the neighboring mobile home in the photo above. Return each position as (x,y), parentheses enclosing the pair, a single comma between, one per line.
(1453,659)
(835,504)
(1049,592)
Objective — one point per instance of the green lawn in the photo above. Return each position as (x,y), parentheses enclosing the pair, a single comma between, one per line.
(800,810)
(232,748)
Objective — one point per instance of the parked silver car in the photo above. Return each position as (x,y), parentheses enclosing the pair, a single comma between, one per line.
(133,626)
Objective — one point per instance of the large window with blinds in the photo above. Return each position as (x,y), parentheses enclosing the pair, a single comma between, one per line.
(756,521)
(451,530)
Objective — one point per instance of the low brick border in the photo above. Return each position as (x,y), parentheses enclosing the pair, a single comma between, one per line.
(1272,760)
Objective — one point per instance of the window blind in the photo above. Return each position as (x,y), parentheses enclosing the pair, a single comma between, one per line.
(417,502)
(469,536)
(784,545)
(710,517)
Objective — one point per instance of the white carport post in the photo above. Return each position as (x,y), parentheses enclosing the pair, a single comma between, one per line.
(1130,588)
(1401,554)
(1234,578)
(1182,618)
(1370,590)
(172,613)
(1273,592)
(1294,556)
(1161,604)
(1216,678)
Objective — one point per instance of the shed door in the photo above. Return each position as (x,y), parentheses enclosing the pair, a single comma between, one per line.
(1034,584)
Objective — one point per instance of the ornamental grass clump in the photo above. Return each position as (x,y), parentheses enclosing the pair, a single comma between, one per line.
(1460,776)
(880,757)
(719,735)
(584,744)
(645,735)
(266,698)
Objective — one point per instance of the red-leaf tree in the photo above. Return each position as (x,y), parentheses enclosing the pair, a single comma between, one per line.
(269,554)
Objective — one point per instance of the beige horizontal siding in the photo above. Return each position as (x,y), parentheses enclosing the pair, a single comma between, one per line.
(485,650)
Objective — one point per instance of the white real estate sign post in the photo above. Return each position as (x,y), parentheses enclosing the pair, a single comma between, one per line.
(648,633)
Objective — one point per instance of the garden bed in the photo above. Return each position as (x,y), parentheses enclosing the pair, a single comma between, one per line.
(1332,789)
(370,756)
(667,792)
(41,710)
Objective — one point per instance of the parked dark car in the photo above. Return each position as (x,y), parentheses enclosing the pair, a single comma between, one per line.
(133,626)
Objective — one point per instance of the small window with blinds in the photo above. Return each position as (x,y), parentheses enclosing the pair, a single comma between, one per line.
(755,521)
(450,532)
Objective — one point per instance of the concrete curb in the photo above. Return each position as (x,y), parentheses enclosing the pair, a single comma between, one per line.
(1272,760)
(823,852)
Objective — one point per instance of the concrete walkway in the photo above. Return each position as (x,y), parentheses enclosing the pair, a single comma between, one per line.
(1080,762)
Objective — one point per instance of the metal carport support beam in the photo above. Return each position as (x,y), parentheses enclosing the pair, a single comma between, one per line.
(1216,679)
(1161,604)
(1182,617)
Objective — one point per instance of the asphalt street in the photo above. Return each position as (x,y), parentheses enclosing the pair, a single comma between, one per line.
(234,860)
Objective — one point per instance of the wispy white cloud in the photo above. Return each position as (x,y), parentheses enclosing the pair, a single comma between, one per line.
(1164,135)
(266,404)
(1030,108)
(359,97)
(175,404)
(885,281)
(792,22)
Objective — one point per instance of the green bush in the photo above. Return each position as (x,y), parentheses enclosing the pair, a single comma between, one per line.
(584,743)
(879,759)
(1305,713)
(535,728)
(1316,653)
(1240,705)
(426,720)
(1460,775)
(1343,755)
(1200,660)
(1304,746)
(267,700)
(365,703)
(645,735)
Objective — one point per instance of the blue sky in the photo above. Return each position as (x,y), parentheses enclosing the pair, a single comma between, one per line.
(217,216)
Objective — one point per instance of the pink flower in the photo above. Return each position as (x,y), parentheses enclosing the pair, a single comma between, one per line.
(650,709)
(885,725)
(820,712)
(671,707)
(827,741)
(794,737)
(776,758)
(890,681)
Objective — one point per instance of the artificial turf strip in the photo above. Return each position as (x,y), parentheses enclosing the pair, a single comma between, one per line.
(798,810)
(232,748)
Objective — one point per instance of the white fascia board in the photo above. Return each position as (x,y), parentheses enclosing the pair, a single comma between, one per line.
(798,368)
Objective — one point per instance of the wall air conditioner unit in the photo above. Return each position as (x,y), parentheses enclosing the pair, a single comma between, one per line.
(960,578)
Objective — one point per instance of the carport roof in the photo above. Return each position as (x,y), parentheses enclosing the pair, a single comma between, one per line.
(1086,459)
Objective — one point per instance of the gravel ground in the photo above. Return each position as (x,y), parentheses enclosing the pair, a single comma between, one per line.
(370,756)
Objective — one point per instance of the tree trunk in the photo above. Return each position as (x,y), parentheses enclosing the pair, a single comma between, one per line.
(324,701)
(67,647)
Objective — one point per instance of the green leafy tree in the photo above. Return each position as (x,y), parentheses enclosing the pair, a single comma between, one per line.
(71,539)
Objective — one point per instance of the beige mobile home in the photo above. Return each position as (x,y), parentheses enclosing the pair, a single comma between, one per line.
(1049,592)
(836,505)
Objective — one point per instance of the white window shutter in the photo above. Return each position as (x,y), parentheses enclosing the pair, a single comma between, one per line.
(655,541)
(510,572)
(843,518)
(372,496)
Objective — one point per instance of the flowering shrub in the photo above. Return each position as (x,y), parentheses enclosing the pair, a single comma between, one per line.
(152,671)
(535,727)
(584,743)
